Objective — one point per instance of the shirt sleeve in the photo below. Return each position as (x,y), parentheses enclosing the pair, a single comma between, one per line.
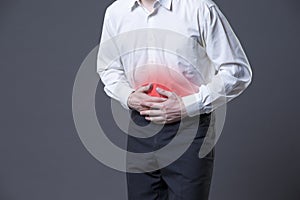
(233,71)
(109,65)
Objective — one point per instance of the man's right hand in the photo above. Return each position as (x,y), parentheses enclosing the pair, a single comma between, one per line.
(140,96)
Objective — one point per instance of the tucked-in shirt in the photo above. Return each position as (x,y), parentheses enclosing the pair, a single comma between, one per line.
(186,45)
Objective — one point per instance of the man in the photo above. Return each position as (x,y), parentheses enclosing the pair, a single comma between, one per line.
(142,86)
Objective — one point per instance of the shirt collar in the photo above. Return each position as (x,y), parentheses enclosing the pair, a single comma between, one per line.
(165,3)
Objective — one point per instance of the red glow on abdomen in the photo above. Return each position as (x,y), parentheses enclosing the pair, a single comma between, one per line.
(153,92)
(165,78)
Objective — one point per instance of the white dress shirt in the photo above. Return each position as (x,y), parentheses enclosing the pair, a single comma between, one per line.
(210,57)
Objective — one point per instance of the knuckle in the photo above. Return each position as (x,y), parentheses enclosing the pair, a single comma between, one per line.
(166,116)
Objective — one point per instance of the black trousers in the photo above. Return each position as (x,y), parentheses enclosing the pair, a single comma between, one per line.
(187,178)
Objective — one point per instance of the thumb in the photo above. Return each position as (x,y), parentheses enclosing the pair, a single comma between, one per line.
(164,92)
(145,88)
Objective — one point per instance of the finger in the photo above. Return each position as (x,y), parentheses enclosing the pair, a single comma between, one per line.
(145,88)
(155,119)
(152,105)
(142,108)
(164,92)
(154,99)
(152,113)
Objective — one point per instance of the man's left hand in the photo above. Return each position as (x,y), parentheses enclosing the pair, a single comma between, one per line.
(169,111)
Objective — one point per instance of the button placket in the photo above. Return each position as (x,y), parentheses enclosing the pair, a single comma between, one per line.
(150,40)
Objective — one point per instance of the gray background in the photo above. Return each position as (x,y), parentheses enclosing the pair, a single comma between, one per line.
(42,45)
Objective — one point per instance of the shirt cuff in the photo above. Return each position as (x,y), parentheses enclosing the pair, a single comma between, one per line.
(198,103)
(124,92)
(192,104)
